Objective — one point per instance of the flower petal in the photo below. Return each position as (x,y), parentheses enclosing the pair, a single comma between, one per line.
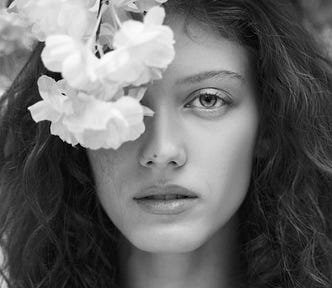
(57,128)
(53,94)
(41,111)
(57,49)
(94,115)
(155,16)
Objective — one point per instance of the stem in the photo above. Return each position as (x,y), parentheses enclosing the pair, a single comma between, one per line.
(92,39)
(116,17)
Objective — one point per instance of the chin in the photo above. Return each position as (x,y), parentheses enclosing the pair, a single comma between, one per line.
(176,242)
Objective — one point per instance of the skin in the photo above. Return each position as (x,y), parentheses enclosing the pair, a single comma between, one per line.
(210,153)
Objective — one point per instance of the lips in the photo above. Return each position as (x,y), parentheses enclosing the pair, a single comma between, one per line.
(168,192)
(166,197)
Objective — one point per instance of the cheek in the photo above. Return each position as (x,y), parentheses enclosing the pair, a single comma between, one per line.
(108,167)
(112,167)
(226,166)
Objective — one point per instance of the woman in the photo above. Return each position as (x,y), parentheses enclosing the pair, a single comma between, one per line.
(255,169)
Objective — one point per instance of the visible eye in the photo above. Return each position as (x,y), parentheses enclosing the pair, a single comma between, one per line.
(209,99)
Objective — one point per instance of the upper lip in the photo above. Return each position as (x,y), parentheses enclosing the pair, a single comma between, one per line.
(165,190)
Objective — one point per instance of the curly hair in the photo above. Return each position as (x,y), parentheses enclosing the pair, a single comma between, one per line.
(54,232)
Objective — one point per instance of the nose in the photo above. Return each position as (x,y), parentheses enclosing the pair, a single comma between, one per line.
(163,144)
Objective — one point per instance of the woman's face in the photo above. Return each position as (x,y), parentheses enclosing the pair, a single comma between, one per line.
(203,134)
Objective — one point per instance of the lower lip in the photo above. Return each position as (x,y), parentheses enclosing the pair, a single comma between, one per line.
(166,207)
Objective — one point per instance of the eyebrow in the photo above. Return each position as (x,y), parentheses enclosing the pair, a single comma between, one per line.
(210,75)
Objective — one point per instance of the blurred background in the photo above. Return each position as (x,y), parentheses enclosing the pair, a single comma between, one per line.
(317,16)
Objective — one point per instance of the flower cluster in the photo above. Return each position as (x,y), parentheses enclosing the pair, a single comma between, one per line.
(105,59)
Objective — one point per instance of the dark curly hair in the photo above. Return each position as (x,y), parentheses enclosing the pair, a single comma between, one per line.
(54,232)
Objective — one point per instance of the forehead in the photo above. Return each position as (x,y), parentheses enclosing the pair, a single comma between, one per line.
(200,48)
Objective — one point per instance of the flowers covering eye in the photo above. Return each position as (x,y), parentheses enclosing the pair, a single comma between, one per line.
(97,103)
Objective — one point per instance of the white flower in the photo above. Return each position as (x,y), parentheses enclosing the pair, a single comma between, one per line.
(77,117)
(117,122)
(80,67)
(146,49)
(114,68)
(71,17)
(73,59)
(54,104)
(97,104)
(14,34)
(143,51)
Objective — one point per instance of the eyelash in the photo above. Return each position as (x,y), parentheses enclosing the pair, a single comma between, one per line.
(217,94)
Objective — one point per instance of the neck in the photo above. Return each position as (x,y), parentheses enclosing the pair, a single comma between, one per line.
(214,264)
